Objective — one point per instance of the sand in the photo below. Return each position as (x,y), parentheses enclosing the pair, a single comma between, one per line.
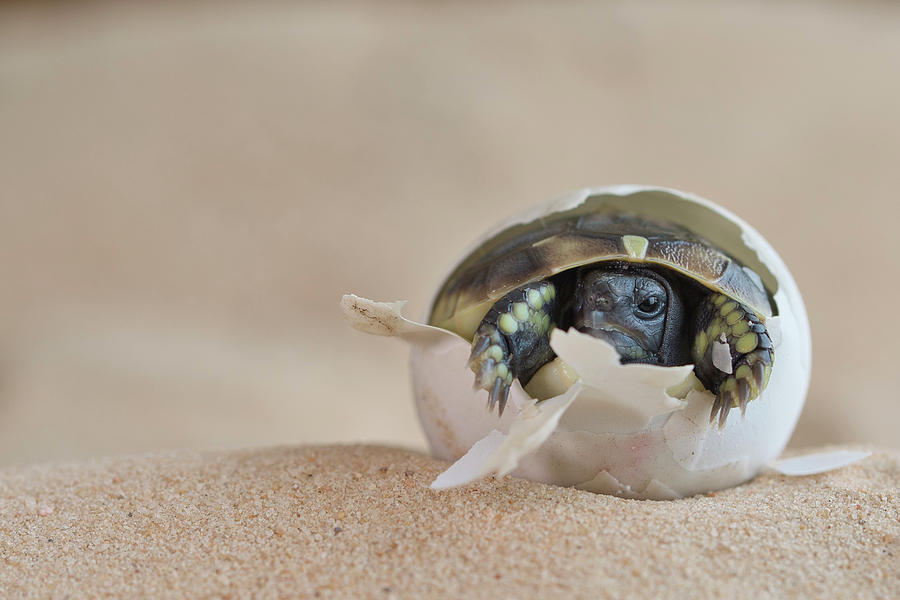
(361,521)
(188,189)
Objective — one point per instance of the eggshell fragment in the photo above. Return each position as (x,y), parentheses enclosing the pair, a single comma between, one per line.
(721,355)
(386,318)
(819,462)
(614,397)
(499,453)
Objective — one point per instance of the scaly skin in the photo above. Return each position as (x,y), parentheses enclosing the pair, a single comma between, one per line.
(513,340)
(723,320)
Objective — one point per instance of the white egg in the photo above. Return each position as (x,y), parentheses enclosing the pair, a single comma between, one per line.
(629,430)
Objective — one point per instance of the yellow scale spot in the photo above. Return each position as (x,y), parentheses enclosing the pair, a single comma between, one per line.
(635,246)
(502,371)
(720,299)
(733,317)
(714,329)
(700,343)
(743,372)
(507,323)
(727,308)
(740,328)
(520,311)
(535,300)
(545,323)
(548,292)
(746,343)
(495,352)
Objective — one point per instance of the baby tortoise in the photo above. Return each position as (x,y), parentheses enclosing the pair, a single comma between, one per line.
(654,290)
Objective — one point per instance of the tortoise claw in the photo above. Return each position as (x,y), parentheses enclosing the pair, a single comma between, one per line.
(717,404)
(498,393)
(723,321)
(512,341)
(490,362)
(494,394)
(743,395)
(759,377)
(723,412)
(478,347)
(743,386)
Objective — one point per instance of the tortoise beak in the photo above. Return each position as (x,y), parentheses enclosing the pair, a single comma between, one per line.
(631,345)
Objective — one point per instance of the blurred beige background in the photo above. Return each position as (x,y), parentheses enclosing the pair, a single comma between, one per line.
(187,190)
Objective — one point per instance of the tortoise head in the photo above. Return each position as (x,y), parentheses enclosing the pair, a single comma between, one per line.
(635,309)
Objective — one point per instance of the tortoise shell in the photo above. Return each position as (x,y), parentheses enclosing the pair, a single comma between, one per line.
(538,249)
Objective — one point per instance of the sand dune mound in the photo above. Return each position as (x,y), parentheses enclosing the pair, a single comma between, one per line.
(361,521)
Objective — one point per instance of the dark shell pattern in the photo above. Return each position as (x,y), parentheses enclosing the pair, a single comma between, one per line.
(533,251)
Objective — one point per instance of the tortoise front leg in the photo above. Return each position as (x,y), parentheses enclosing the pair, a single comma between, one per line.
(732,354)
(513,340)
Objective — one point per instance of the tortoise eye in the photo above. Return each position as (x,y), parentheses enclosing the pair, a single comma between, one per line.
(649,308)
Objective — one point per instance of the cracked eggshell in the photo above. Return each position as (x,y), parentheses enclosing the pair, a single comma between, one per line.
(672,451)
